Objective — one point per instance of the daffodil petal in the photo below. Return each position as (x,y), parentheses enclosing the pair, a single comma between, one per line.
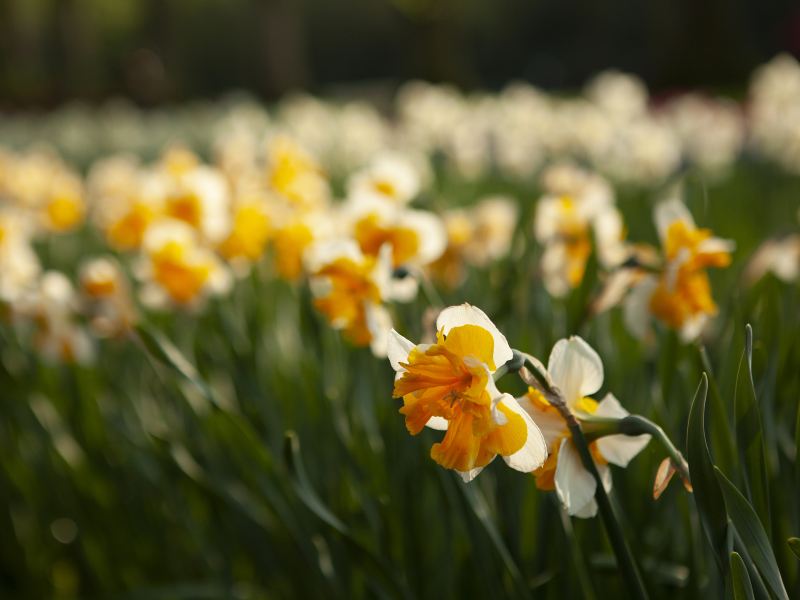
(397,349)
(575,486)
(466,314)
(575,368)
(534,452)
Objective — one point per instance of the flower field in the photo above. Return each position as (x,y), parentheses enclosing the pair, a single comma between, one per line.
(437,344)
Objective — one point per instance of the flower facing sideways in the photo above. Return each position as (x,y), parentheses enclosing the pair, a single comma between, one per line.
(576,370)
(680,295)
(448,385)
(349,288)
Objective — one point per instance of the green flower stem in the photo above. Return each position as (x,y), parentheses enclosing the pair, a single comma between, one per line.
(538,379)
(633,425)
(613,527)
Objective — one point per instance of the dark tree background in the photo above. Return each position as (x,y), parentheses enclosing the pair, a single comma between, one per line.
(157,51)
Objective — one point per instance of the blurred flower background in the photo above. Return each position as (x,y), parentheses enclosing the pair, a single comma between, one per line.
(222,222)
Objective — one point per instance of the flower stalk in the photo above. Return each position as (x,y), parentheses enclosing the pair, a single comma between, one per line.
(537,378)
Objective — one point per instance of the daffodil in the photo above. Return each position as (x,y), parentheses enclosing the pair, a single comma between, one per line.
(578,205)
(19,265)
(476,236)
(177,268)
(416,237)
(199,196)
(448,385)
(295,175)
(577,372)
(350,288)
(106,296)
(250,232)
(51,307)
(389,177)
(680,294)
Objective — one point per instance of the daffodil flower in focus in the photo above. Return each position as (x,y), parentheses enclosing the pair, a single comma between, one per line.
(448,385)
(577,371)
(680,294)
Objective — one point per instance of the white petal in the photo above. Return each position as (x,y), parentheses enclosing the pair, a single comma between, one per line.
(397,349)
(575,368)
(618,449)
(668,212)
(430,232)
(575,486)
(534,452)
(636,310)
(437,423)
(379,323)
(551,425)
(693,327)
(325,252)
(466,314)
(588,511)
(468,476)
(714,244)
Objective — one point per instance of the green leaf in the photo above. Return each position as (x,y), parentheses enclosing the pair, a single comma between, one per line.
(707,493)
(165,352)
(740,580)
(749,434)
(752,534)
(309,497)
(480,508)
(794,545)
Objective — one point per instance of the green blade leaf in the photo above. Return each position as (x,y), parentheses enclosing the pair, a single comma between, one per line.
(165,352)
(707,493)
(794,545)
(752,534)
(749,434)
(740,580)
(309,497)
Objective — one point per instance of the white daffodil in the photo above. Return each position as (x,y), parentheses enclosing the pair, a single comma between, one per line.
(448,386)
(389,177)
(577,371)
(576,205)
(52,307)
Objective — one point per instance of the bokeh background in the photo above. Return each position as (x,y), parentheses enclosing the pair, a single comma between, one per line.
(159,51)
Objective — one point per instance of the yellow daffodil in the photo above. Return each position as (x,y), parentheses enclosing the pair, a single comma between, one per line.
(448,385)
(680,295)
(416,237)
(294,175)
(577,371)
(249,234)
(176,268)
(64,207)
(349,288)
